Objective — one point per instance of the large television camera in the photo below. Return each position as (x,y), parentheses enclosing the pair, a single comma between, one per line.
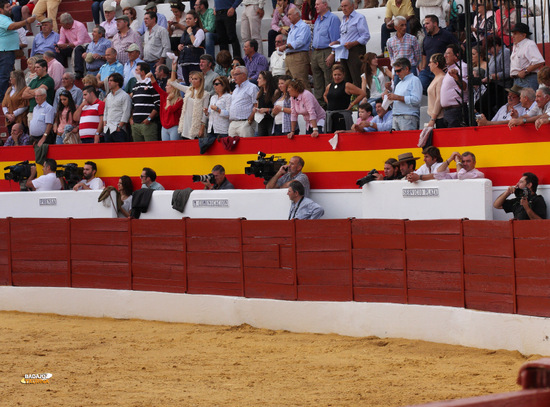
(72,174)
(18,172)
(264,167)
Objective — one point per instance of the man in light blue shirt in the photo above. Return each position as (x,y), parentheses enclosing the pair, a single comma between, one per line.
(241,116)
(325,31)
(110,66)
(46,39)
(354,35)
(42,117)
(297,47)
(406,98)
(382,121)
(130,67)
(302,207)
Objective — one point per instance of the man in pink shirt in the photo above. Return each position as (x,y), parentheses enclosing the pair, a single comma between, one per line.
(73,33)
(55,69)
(465,167)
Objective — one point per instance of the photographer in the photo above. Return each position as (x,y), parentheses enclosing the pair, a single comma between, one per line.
(290,172)
(220,182)
(391,171)
(527,204)
(48,181)
(90,181)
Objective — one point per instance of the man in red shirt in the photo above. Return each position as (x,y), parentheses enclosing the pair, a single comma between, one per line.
(90,115)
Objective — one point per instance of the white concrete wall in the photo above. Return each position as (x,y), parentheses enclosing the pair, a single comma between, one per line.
(455,326)
(339,203)
(456,199)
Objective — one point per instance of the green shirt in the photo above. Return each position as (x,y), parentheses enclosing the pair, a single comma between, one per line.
(36,83)
(208,20)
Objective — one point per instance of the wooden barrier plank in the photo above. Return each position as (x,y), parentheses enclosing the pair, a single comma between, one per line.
(535,306)
(38,252)
(164,256)
(532,248)
(486,228)
(156,243)
(534,229)
(213,259)
(157,227)
(100,268)
(159,271)
(532,267)
(221,228)
(269,275)
(434,280)
(36,279)
(215,275)
(98,237)
(490,283)
(436,260)
(370,294)
(323,243)
(492,302)
(378,259)
(213,244)
(43,267)
(270,291)
(378,278)
(435,227)
(99,224)
(267,258)
(323,260)
(214,288)
(107,253)
(377,241)
(533,286)
(488,246)
(369,227)
(151,284)
(523,398)
(324,277)
(497,266)
(433,242)
(267,229)
(435,297)
(320,293)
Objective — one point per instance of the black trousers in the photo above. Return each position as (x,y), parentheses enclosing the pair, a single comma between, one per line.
(226,28)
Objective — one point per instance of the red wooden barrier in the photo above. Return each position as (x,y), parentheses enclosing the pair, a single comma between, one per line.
(379,262)
(100,253)
(214,257)
(489,265)
(532,260)
(39,252)
(434,262)
(324,260)
(159,255)
(5,260)
(269,259)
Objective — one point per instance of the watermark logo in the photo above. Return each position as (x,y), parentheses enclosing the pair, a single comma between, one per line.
(37,378)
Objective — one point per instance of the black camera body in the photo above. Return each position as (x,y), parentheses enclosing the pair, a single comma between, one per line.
(264,167)
(18,172)
(522,193)
(204,178)
(371,176)
(72,174)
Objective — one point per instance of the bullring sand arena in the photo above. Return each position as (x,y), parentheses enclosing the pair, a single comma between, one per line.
(110,362)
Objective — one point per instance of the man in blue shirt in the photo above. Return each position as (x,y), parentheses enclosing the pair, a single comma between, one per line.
(382,121)
(255,62)
(354,35)
(226,25)
(407,97)
(302,207)
(297,47)
(9,43)
(325,31)
(110,66)
(46,39)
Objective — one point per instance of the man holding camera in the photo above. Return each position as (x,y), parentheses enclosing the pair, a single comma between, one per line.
(220,182)
(527,204)
(90,181)
(288,173)
(46,182)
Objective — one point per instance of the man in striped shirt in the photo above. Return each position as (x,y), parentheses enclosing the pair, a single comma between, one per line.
(145,106)
(90,115)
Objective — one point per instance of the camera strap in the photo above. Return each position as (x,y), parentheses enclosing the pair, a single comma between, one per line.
(292,216)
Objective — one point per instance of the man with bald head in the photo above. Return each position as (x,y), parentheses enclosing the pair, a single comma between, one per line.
(18,137)
(111,66)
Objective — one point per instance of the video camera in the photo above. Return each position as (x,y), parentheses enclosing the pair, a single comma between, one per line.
(264,167)
(72,174)
(18,172)
(371,176)
(205,178)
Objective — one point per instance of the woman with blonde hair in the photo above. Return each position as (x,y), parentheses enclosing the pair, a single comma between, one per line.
(192,123)
(15,108)
(91,80)
(170,109)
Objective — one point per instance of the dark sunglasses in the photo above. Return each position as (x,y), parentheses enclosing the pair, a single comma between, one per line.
(217,83)
(398,70)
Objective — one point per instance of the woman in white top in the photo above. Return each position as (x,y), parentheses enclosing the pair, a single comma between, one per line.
(126,189)
(373,78)
(218,112)
(191,45)
(282,109)
(195,105)
(130,12)
(176,25)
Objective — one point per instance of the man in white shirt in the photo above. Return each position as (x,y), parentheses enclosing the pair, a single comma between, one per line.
(48,181)
(89,181)
(542,98)
(526,59)
(507,111)
(432,161)
(277,59)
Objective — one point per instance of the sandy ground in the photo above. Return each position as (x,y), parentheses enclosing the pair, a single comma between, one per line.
(108,362)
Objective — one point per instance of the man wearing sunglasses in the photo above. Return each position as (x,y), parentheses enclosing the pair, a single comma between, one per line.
(406,97)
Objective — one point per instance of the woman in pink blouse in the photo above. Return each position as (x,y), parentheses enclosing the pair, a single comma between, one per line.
(64,116)
(302,102)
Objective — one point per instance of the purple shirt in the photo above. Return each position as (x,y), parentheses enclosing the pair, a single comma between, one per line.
(255,65)
(306,105)
(24,140)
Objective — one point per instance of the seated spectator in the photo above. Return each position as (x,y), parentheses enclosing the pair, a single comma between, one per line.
(208,21)
(542,98)
(383,120)
(220,181)
(435,111)
(55,69)
(465,167)
(527,204)
(277,60)
(223,64)
(118,107)
(130,67)
(90,181)
(206,65)
(18,137)
(391,171)
(73,33)
(64,116)
(31,74)
(67,82)
(110,67)
(161,20)
(280,23)
(373,79)
(192,122)
(14,107)
(176,24)
(241,114)
(363,120)
(404,45)
(133,21)
(46,39)
(89,115)
(91,80)
(126,188)
(145,106)
(162,74)
(46,182)
(407,164)
(432,161)
(526,59)
(94,55)
(454,89)
(109,25)
(301,206)
(148,180)
(394,8)
(527,98)
(156,42)
(337,96)
(282,108)
(218,111)
(504,114)
(255,62)
(264,104)
(191,45)
(171,103)
(288,173)
(42,120)
(304,103)
(407,97)
(124,39)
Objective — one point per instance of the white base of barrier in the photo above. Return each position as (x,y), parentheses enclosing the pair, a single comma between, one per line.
(455,326)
